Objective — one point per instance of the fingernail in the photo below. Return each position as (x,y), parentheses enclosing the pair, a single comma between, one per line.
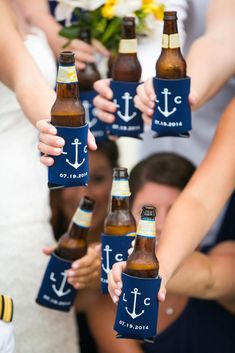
(76,285)
(70,273)
(115,299)
(149,111)
(52,130)
(151,104)
(75,265)
(152,97)
(60,141)
(119,284)
(117,292)
(57,150)
(162,296)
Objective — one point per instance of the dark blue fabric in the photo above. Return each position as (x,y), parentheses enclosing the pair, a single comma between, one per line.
(128,120)
(55,292)
(71,168)
(172,114)
(97,127)
(137,309)
(203,327)
(114,249)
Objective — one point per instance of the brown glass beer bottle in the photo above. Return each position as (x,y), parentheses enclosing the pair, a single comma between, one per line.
(120,220)
(73,244)
(90,73)
(171,63)
(143,262)
(67,109)
(126,66)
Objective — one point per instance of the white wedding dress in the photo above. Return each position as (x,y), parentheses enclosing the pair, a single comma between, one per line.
(24,221)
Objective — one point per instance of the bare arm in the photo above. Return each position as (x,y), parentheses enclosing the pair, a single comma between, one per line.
(199,204)
(209,276)
(19,72)
(211,58)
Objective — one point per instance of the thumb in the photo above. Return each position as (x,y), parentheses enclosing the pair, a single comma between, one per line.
(48,250)
(162,292)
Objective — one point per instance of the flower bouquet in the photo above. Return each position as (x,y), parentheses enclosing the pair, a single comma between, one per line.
(104,18)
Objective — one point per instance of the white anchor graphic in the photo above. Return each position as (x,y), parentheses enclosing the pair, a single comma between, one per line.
(107,250)
(87,106)
(126,117)
(166,112)
(60,292)
(133,313)
(76,165)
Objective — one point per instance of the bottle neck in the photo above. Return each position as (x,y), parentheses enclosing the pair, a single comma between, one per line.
(67,82)
(120,204)
(170,37)
(146,244)
(128,42)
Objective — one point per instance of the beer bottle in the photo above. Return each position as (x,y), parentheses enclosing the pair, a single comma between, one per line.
(73,244)
(143,262)
(90,73)
(170,64)
(67,109)
(120,220)
(126,66)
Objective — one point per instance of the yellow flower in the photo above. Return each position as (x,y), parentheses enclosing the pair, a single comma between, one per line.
(108,11)
(157,10)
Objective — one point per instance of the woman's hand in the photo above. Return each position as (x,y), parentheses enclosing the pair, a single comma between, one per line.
(84,271)
(146,98)
(84,53)
(105,107)
(51,144)
(115,283)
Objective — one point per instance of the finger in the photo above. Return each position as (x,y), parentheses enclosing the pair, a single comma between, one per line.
(91,141)
(47,161)
(79,45)
(104,104)
(147,119)
(130,251)
(45,127)
(142,107)
(102,87)
(148,86)
(87,260)
(105,117)
(51,140)
(117,270)
(48,250)
(80,65)
(193,98)
(84,57)
(100,48)
(53,151)
(112,286)
(142,95)
(162,293)
(82,282)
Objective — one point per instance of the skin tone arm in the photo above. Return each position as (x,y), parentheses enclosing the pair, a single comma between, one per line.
(201,200)
(13,71)
(200,276)
(38,14)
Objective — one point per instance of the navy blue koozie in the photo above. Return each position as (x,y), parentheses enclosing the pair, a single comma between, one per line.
(55,292)
(137,309)
(128,120)
(114,249)
(172,114)
(71,168)
(97,127)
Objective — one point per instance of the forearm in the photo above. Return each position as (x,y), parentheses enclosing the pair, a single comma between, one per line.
(210,63)
(211,59)
(201,201)
(207,276)
(36,101)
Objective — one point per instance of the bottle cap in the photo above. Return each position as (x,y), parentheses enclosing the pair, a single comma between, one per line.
(148,211)
(170,15)
(87,203)
(120,173)
(67,58)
